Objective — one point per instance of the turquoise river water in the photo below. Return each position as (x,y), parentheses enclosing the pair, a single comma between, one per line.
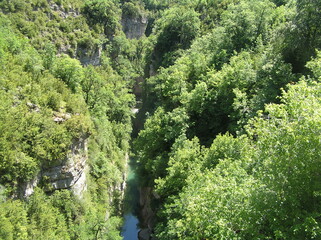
(131,203)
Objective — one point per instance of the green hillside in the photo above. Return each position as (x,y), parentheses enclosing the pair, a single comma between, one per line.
(231,100)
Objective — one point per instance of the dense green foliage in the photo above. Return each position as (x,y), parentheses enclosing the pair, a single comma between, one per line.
(253,186)
(31,97)
(231,141)
(229,152)
(49,101)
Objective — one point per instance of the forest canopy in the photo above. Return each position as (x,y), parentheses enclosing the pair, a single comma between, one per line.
(230,118)
(231,142)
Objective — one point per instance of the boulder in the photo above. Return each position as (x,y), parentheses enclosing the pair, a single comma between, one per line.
(144,234)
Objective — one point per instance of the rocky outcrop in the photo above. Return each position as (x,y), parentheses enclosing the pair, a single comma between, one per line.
(27,188)
(64,13)
(87,57)
(138,87)
(86,54)
(71,174)
(59,117)
(80,186)
(147,213)
(134,27)
(144,234)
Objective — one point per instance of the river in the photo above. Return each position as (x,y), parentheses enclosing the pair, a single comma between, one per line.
(130,228)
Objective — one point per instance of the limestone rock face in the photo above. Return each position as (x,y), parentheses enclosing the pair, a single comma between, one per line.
(26,189)
(144,234)
(134,27)
(64,13)
(85,54)
(71,174)
(147,214)
(87,57)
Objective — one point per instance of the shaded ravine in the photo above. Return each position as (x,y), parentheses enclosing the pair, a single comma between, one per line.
(130,228)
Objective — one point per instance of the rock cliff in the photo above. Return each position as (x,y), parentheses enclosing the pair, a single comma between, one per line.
(87,57)
(134,27)
(71,174)
(147,215)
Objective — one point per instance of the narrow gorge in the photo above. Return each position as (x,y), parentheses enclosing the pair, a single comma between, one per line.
(160,119)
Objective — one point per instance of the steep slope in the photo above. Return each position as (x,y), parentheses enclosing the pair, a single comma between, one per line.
(65,123)
(230,99)
(219,64)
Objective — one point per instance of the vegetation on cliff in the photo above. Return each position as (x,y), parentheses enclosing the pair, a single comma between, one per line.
(231,141)
(232,138)
(49,100)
